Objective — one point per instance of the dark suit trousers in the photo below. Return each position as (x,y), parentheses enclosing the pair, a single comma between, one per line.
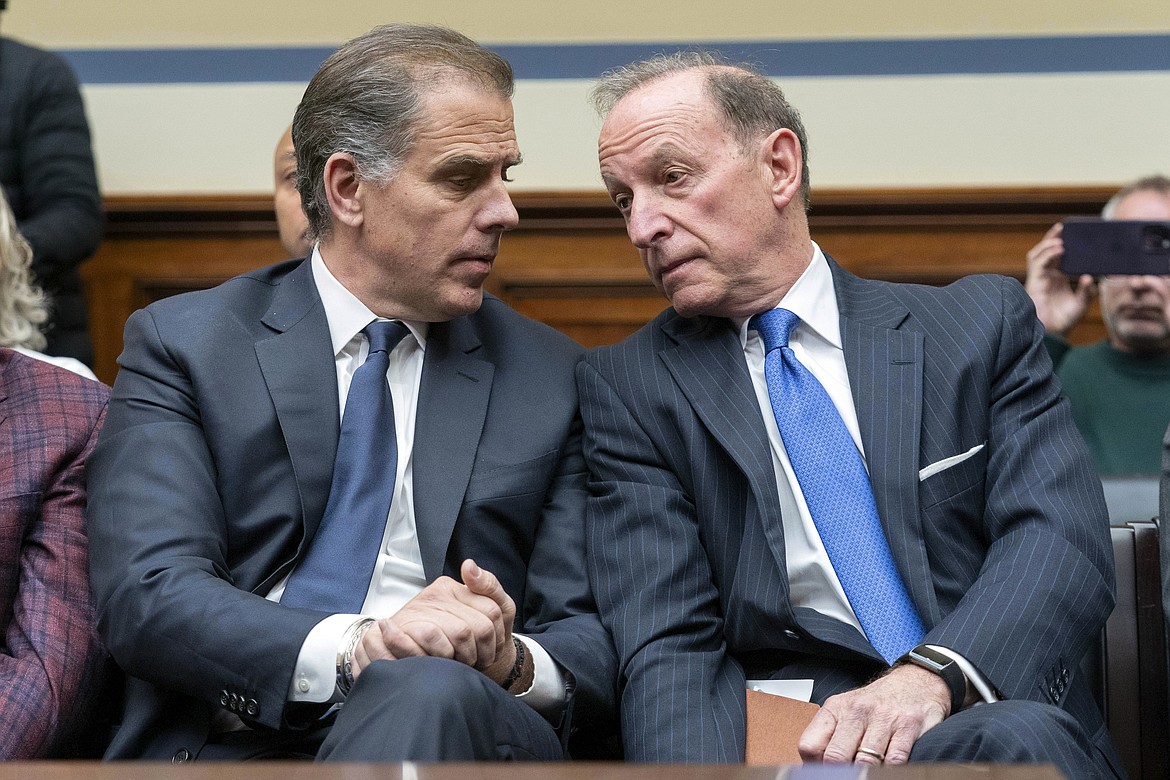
(432,709)
(1017,732)
(415,709)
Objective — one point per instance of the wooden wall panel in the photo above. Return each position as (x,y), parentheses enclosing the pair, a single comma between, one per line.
(569,263)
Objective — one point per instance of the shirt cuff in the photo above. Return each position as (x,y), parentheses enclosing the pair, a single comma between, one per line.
(975,678)
(547,694)
(315,676)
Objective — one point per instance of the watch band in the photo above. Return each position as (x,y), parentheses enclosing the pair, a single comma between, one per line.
(945,667)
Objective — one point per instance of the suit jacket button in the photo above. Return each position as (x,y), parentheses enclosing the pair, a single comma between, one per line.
(182,757)
(788,632)
(253,707)
(223,698)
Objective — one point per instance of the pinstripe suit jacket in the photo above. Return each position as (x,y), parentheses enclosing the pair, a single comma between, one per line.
(1006,555)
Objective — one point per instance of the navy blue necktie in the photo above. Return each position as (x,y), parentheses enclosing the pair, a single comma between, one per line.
(836,488)
(336,572)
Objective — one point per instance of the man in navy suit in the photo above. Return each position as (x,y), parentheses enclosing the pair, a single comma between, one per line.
(708,564)
(475,636)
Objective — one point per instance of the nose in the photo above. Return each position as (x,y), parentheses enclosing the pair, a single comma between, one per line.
(1139,284)
(498,213)
(647,223)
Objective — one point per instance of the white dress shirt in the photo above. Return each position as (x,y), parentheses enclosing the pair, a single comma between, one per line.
(816,342)
(398,572)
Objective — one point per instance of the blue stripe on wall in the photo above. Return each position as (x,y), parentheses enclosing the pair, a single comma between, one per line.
(1068,54)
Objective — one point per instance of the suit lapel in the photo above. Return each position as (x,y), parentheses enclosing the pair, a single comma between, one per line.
(297,364)
(885,373)
(708,364)
(452,406)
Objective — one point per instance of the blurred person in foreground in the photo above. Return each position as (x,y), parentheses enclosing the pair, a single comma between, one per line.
(23,306)
(51,660)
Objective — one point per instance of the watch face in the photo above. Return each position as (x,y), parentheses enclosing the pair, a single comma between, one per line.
(932,658)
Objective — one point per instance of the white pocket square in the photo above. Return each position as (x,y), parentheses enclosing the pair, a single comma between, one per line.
(946,463)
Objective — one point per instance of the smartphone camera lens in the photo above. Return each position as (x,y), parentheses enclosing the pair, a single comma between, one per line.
(1156,238)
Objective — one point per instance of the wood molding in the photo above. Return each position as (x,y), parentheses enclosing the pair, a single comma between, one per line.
(569,262)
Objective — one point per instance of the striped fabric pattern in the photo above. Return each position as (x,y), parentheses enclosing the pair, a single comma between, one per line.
(1006,554)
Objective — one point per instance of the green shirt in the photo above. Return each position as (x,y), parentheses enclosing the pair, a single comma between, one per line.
(1120,403)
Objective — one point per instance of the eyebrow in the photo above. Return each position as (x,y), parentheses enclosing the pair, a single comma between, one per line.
(472,161)
(667,153)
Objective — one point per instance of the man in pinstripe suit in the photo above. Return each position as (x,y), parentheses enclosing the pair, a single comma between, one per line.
(706,565)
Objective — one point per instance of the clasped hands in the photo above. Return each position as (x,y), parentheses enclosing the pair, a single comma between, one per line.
(470,622)
(879,722)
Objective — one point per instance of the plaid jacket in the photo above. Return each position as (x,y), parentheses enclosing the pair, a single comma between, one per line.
(51,655)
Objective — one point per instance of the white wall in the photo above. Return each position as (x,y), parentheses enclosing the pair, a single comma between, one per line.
(872,131)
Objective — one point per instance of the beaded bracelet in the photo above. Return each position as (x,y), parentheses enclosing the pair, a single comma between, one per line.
(517,668)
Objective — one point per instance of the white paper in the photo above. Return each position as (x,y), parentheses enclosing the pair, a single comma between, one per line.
(801,690)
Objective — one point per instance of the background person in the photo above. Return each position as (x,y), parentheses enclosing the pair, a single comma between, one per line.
(1119,387)
(47,173)
(291,222)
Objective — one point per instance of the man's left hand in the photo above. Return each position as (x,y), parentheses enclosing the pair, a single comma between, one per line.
(885,717)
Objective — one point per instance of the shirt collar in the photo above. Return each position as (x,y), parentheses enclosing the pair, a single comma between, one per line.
(813,299)
(347,316)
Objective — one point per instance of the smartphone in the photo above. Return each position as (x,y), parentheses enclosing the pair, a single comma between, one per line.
(1115,246)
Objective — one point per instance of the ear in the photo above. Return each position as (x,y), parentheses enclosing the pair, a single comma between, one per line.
(342,189)
(784,159)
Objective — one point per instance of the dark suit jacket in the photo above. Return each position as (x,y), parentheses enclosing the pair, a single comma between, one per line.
(214,469)
(1006,555)
(49,418)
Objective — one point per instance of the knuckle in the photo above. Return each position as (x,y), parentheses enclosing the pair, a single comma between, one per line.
(428,633)
(462,634)
(897,757)
(835,755)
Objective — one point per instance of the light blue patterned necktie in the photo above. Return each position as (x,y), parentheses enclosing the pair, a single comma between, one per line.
(335,573)
(836,489)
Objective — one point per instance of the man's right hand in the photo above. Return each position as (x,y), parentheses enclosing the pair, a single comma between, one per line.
(1059,305)
(472,625)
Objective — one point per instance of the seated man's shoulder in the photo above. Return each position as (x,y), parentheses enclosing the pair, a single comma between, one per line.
(246,297)
(507,332)
(665,331)
(975,291)
(969,303)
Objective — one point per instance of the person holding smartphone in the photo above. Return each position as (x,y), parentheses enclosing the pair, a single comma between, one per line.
(1119,388)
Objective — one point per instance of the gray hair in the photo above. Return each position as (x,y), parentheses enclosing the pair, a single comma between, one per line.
(365,100)
(750,104)
(22,305)
(1156,183)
